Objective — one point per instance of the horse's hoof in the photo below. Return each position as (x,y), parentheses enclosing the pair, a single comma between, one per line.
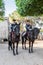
(29,51)
(17,53)
(14,54)
(25,48)
(32,51)
(22,47)
(8,48)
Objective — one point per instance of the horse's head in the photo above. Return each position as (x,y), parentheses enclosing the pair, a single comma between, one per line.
(18,29)
(36,32)
(30,34)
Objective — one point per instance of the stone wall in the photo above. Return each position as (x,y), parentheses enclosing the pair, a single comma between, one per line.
(4,29)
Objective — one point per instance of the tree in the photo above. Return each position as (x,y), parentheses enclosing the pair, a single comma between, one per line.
(29,7)
(1,8)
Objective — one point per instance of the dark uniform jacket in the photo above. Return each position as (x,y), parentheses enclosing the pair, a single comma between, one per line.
(13,26)
(28,26)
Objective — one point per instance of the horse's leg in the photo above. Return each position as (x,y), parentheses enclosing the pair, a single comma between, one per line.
(25,44)
(29,46)
(32,47)
(8,45)
(11,45)
(13,48)
(17,48)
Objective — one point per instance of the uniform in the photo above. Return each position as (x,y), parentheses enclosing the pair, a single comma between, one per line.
(28,26)
(13,26)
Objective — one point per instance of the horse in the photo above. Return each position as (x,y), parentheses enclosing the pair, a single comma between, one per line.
(30,35)
(15,38)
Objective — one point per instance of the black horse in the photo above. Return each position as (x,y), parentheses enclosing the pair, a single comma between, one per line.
(15,38)
(30,35)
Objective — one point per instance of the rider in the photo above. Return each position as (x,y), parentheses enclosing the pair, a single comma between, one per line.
(28,25)
(13,25)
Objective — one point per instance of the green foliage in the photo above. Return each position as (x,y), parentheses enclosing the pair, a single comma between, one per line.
(1,19)
(29,7)
(2,8)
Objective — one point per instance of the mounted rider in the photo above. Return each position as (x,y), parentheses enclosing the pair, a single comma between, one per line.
(10,34)
(28,25)
(13,26)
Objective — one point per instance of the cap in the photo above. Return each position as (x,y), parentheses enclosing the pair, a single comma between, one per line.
(14,20)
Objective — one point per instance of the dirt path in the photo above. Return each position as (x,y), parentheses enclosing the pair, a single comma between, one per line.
(24,58)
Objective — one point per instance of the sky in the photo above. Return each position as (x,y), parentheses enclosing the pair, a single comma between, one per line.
(9,7)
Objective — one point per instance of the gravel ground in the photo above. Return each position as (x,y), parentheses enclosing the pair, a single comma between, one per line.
(24,57)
